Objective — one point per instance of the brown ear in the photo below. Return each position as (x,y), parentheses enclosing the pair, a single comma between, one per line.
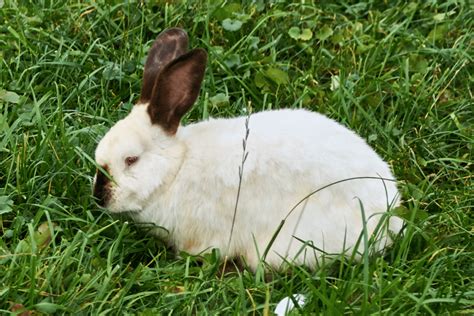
(176,89)
(169,45)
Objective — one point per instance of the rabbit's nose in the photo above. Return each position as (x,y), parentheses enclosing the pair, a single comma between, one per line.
(101,189)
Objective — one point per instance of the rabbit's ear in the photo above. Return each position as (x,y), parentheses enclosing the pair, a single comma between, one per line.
(168,46)
(176,89)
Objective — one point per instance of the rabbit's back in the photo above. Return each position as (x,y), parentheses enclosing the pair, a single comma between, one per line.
(294,141)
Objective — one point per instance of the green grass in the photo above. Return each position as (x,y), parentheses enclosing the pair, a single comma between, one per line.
(399,73)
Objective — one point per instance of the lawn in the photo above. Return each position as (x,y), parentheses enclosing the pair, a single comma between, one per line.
(399,73)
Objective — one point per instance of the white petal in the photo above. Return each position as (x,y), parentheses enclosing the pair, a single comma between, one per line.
(286,304)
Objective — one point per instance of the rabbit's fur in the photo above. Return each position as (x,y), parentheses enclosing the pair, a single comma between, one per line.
(186,178)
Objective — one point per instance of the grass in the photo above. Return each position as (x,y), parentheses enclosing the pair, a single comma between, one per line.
(399,73)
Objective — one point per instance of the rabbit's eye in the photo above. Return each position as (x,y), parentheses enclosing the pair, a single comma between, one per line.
(131,160)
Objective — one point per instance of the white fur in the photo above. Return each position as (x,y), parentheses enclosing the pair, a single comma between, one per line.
(188,183)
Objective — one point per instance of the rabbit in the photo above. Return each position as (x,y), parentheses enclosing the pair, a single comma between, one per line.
(186,178)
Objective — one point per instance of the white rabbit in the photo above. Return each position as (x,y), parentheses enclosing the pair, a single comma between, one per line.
(186,178)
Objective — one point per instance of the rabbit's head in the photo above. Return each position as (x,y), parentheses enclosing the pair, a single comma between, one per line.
(140,153)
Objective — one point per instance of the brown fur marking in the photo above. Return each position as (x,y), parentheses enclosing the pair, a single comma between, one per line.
(102,187)
(176,90)
(168,46)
